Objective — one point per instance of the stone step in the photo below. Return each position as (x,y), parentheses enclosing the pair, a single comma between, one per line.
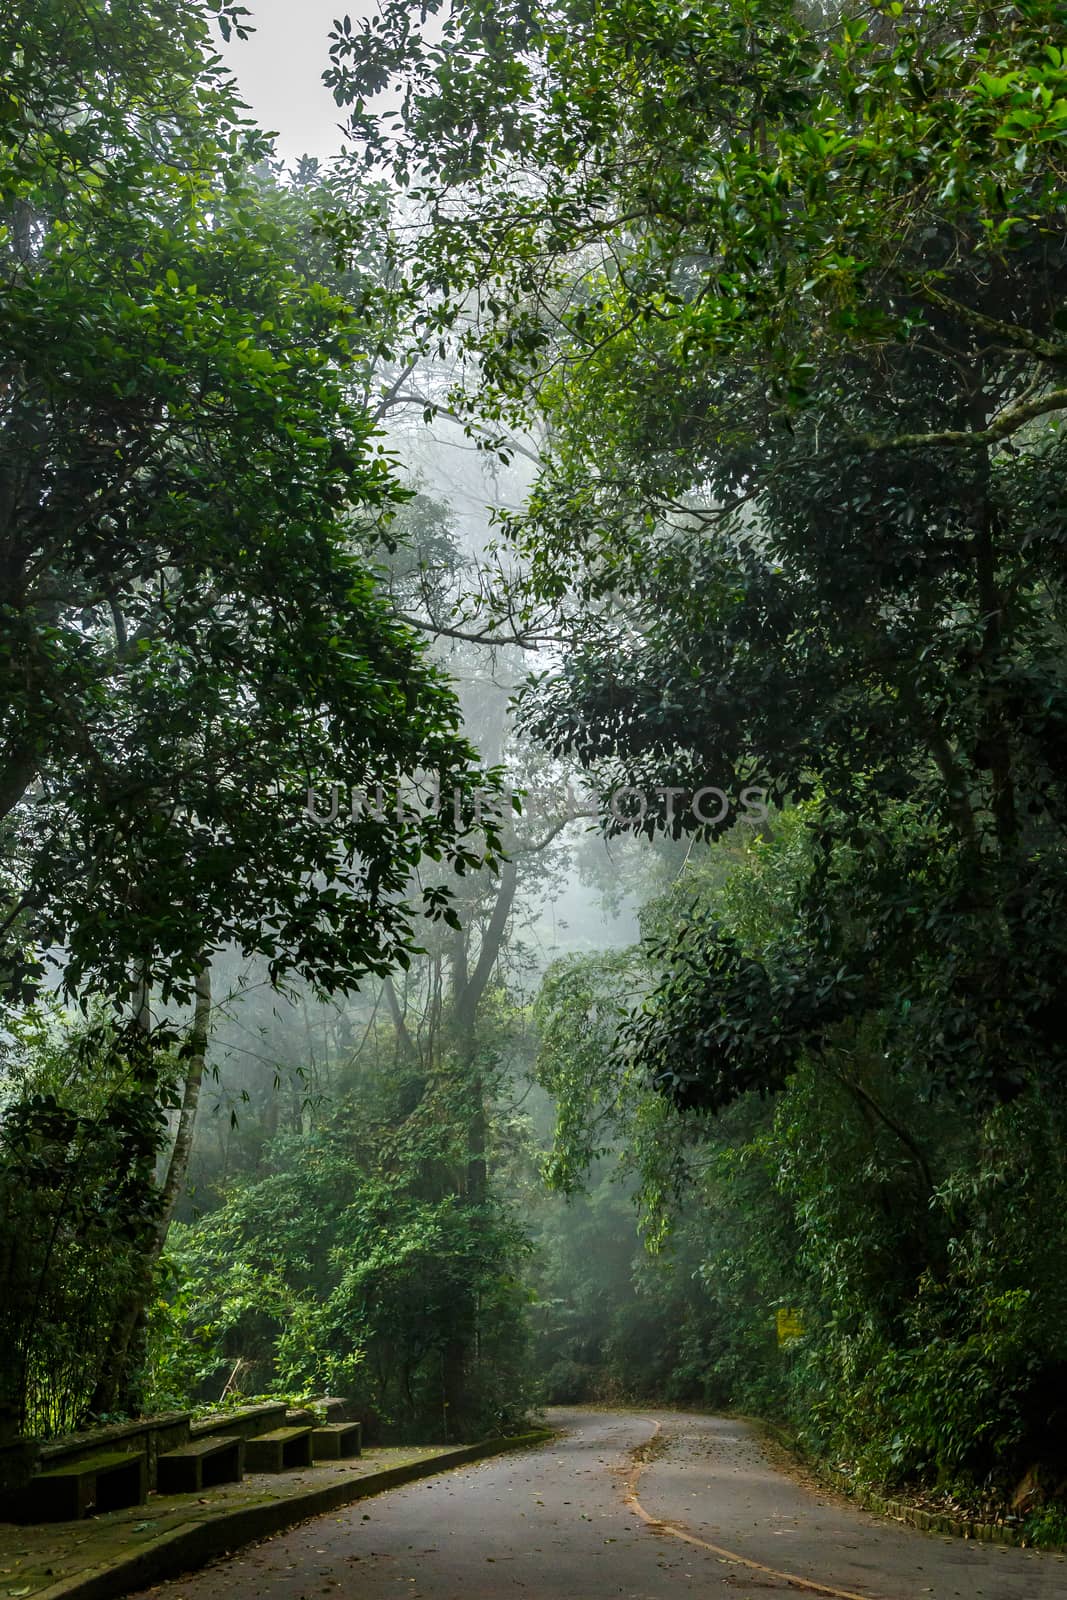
(335,1440)
(105,1482)
(281,1450)
(218,1458)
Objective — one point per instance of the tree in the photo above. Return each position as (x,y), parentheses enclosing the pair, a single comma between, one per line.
(79,1142)
(195,649)
(731,175)
(785,288)
(193,635)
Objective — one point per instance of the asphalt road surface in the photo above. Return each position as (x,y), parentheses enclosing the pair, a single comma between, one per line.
(647,1505)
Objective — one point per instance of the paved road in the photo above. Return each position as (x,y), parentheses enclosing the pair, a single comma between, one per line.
(589,1517)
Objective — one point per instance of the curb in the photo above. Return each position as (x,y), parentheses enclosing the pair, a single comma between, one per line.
(196,1543)
(902,1510)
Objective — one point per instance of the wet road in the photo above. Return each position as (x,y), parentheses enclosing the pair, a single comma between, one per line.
(647,1505)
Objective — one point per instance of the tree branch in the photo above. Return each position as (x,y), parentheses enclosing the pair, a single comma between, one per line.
(556,829)
(1007,332)
(895,1128)
(1009,421)
(474,988)
(525,640)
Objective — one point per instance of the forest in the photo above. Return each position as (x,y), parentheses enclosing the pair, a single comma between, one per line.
(533,761)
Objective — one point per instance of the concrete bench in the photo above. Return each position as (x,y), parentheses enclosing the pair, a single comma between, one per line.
(336,1439)
(105,1482)
(218,1458)
(281,1450)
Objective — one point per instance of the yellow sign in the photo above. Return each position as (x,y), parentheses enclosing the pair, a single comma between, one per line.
(790,1325)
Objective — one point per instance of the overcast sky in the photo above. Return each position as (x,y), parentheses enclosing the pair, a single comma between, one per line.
(280,68)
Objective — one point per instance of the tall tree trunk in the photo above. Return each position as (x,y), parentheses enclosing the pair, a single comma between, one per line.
(115,1388)
(468,988)
(404,1042)
(182,1148)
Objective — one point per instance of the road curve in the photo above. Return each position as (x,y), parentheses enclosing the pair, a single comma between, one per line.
(648,1505)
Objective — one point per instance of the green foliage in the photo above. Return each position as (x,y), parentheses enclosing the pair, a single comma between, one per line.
(711,184)
(192,635)
(944,1315)
(80,1131)
(579,1007)
(586,1304)
(690,1322)
(920,1236)
(1046,1528)
(355,1266)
